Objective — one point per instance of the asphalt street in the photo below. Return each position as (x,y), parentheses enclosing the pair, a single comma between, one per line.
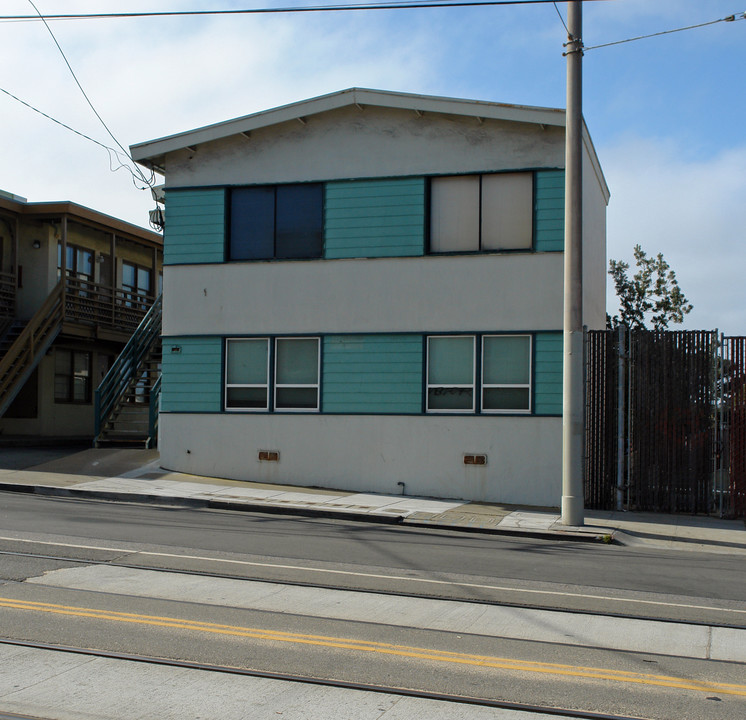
(355,605)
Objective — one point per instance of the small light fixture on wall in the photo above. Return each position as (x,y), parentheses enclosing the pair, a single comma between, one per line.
(36,244)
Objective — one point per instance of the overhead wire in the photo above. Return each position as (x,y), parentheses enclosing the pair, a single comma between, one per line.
(562,20)
(730,18)
(137,174)
(386,5)
(113,152)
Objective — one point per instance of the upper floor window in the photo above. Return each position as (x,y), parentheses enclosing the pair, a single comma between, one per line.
(135,283)
(276,221)
(469,213)
(78,262)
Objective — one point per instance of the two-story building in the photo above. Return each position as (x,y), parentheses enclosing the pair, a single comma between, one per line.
(74,285)
(364,291)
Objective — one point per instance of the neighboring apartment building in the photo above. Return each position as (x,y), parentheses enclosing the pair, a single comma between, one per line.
(74,285)
(363,291)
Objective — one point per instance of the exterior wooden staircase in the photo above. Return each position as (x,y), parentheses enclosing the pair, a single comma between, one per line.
(126,402)
(25,346)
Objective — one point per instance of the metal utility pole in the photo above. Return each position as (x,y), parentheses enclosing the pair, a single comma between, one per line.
(572,380)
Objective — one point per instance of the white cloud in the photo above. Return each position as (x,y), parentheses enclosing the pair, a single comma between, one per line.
(150,78)
(692,212)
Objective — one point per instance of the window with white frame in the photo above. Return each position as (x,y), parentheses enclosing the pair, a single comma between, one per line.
(264,374)
(506,373)
(450,373)
(502,386)
(469,213)
(247,374)
(297,374)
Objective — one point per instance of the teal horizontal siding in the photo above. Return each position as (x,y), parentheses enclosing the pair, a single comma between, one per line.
(548,374)
(549,211)
(195,226)
(374,218)
(192,378)
(372,374)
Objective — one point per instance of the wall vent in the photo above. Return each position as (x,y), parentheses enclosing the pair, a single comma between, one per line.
(475,459)
(269,455)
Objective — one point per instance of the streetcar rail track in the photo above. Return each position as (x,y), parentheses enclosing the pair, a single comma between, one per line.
(398,593)
(325,682)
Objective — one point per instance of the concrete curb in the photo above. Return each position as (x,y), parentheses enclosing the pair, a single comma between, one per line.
(298,511)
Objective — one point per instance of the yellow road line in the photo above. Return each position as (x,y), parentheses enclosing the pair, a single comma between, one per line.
(445,656)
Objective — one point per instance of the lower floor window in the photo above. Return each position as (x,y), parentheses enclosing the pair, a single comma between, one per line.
(72,376)
(455,385)
(272,374)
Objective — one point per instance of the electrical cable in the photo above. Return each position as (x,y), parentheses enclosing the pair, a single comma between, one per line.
(730,18)
(137,174)
(562,20)
(108,148)
(388,5)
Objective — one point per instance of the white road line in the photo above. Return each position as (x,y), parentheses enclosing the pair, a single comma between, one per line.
(424,581)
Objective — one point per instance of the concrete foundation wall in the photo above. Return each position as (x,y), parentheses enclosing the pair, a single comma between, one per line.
(374,453)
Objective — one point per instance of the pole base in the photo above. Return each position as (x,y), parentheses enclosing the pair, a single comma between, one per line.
(572,511)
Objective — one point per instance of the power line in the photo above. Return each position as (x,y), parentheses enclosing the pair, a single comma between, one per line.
(562,20)
(137,174)
(108,148)
(730,18)
(390,5)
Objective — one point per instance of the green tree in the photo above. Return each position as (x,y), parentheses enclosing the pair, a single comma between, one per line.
(652,294)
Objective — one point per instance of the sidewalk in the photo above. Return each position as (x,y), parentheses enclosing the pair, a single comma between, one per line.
(134,475)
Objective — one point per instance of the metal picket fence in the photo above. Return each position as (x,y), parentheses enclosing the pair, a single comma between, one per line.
(666,421)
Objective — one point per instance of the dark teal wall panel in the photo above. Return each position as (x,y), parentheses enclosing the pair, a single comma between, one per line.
(549,210)
(374,218)
(195,226)
(192,377)
(548,374)
(372,374)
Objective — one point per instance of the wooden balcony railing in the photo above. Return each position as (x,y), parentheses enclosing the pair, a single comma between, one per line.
(95,304)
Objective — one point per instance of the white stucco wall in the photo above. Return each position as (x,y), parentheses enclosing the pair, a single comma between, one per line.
(427,294)
(369,453)
(594,247)
(500,292)
(372,142)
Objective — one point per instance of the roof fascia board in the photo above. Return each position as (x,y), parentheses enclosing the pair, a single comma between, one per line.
(84,215)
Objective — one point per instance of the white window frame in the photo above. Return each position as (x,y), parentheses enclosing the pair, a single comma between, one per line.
(472,386)
(487,386)
(316,385)
(247,385)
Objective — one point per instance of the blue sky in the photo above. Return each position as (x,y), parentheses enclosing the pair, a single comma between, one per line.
(666,114)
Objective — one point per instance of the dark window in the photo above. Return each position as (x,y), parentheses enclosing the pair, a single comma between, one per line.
(136,284)
(252,223)
(283,221)
(78,268)
(299,221)
(72,376)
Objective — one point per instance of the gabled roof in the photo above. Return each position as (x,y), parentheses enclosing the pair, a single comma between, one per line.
(151,153)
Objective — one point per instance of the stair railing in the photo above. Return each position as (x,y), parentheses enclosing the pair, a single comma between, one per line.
(125,367)
(153,413)
(29,347)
